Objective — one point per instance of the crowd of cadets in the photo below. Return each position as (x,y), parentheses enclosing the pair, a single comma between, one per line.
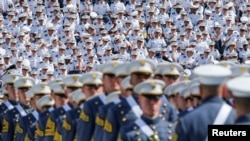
(49,39)
(121,101)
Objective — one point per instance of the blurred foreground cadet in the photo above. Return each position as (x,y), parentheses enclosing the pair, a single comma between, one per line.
(189,126)
(240,89)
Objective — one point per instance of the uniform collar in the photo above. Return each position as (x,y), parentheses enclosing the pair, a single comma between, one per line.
(149,120)
(13,102)
(25,106)
(113,96)
(212,99)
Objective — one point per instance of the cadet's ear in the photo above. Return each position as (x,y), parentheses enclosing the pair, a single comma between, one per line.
(224,92)
(139,99)
(52,95)
(82,89)
(201,91)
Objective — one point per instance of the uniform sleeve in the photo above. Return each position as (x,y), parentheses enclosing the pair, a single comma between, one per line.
(124,135)
(68,126)
(20,130)
(1,121)
(40,130)
(180,134)
(85,124)
(98,133)
(50,129)
(111,135)
(8,127)
(173,113)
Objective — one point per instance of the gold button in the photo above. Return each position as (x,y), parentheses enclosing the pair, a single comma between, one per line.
(170,131)
(169,125)
(139,139)
(165,104)
(119,105)
(170,138)
(163,118)
(78,111)
(122,112)
(164,111)
(124,119)
(160,115)
(153,127)
(135,128)
(137,133)
(96,102)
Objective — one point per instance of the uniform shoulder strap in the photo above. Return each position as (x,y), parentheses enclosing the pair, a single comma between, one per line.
(8,105)
(134,106)
(35,114)
(66,107)
(21,110)
(144,128)
(222,115)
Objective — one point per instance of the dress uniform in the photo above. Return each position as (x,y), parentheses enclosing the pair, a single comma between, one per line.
(12,116)
(34,59)
(128,110)
(44,102)
(43,89)
(107,56)
(24,123)
(240,91)
(111,99)
(54,127)
(214,52)
(117,6)
(41,124)
(46,63)
(189,127)
(71,117)
(23,132)
(101,8)
(119,115)
(177,89)
(10,103)
(30,122)
(86,122)
(146,128)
